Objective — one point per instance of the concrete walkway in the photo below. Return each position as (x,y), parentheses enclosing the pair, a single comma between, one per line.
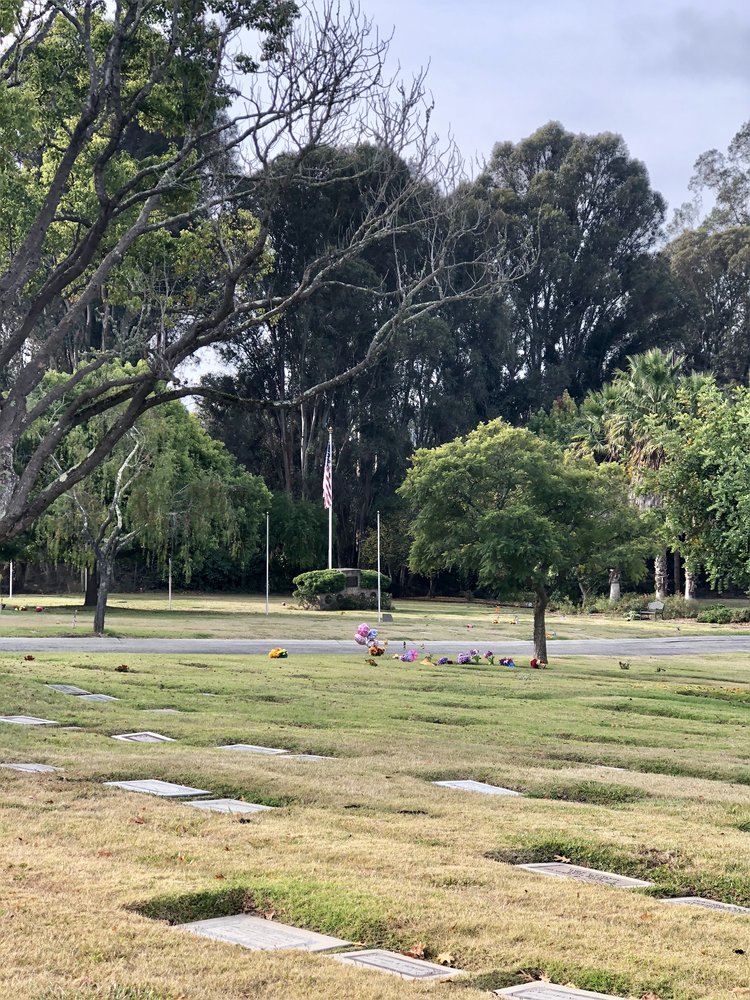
(673,646)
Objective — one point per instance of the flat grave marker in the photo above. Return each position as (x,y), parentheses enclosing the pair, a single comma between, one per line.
(251,748)
(307,756)
(144,737)
(28,720)
(708,904)
(397,965)
(259,934)
(229,806)
(97,697)
(154,786)
(550,991)
(477,786)
(591,875)
(68,689)
(30,768)
(164,711)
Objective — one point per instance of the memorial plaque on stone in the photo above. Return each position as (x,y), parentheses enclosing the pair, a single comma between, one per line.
(30,768)
(27,720)
(154,786)
(709,904)
(145,737)
(477,786)
(67,689)
(397,965)
(259,934)
(550,991)
(251,748)
(591,875)
(97,697)
(387,617)
(229,806)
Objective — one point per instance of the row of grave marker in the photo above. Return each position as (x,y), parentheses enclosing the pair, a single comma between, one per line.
(252,932)
(169,789)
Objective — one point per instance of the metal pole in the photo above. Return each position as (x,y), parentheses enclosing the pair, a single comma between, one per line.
(10,586)
(330,509)
(170,583)
(268,556)
(379,615)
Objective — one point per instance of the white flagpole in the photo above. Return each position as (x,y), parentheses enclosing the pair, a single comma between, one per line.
(10,586)
(268,557)
(330,509)
(379,616)
(170,583)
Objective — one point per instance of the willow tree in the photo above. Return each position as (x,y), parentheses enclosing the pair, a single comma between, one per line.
(140,146)
(166,487)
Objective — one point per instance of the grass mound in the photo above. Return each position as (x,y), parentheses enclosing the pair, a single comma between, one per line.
(598,793)
(672,874)
(325,907)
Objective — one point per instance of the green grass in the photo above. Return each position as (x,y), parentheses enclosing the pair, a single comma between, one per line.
(243,617)
(364,846)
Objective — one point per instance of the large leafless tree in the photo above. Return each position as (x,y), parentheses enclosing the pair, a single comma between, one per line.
(256,88)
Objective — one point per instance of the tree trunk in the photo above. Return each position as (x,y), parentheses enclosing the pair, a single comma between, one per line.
(104,574)
(676,572)
(540,627)
(660,575)
(691,584)
(614,586)
(92,587)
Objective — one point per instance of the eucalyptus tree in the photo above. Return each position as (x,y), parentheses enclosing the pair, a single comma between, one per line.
(141,152)
(597,290)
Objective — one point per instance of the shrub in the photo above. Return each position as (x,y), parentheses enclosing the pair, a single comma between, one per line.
(717,614)
(317,581)
(740,615)
(678,607)
(368,580)
(366,601)
(631,602)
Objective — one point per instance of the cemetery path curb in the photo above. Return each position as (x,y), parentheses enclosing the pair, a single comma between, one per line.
(665,646)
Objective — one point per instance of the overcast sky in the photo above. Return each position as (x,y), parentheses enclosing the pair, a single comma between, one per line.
(672,78)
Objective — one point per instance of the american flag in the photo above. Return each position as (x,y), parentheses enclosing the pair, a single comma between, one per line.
(328,479)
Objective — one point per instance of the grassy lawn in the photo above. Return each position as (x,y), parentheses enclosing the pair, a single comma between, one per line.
(363,846)
(243,617)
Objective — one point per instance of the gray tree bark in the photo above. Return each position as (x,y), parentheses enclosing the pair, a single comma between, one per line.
(691,584)
(660,575)
(540,627)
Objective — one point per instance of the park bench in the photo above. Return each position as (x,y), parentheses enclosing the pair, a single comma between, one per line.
(655,609)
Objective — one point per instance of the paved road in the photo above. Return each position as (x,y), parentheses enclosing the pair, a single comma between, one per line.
(672,646)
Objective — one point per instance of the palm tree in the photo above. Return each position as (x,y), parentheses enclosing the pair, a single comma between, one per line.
(622,424)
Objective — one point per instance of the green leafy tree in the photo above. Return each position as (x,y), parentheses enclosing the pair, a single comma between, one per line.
(705,482)
(517,512)
(166,486)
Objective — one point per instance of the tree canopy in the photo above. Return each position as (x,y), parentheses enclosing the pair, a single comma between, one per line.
(517,512)
(144,149)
